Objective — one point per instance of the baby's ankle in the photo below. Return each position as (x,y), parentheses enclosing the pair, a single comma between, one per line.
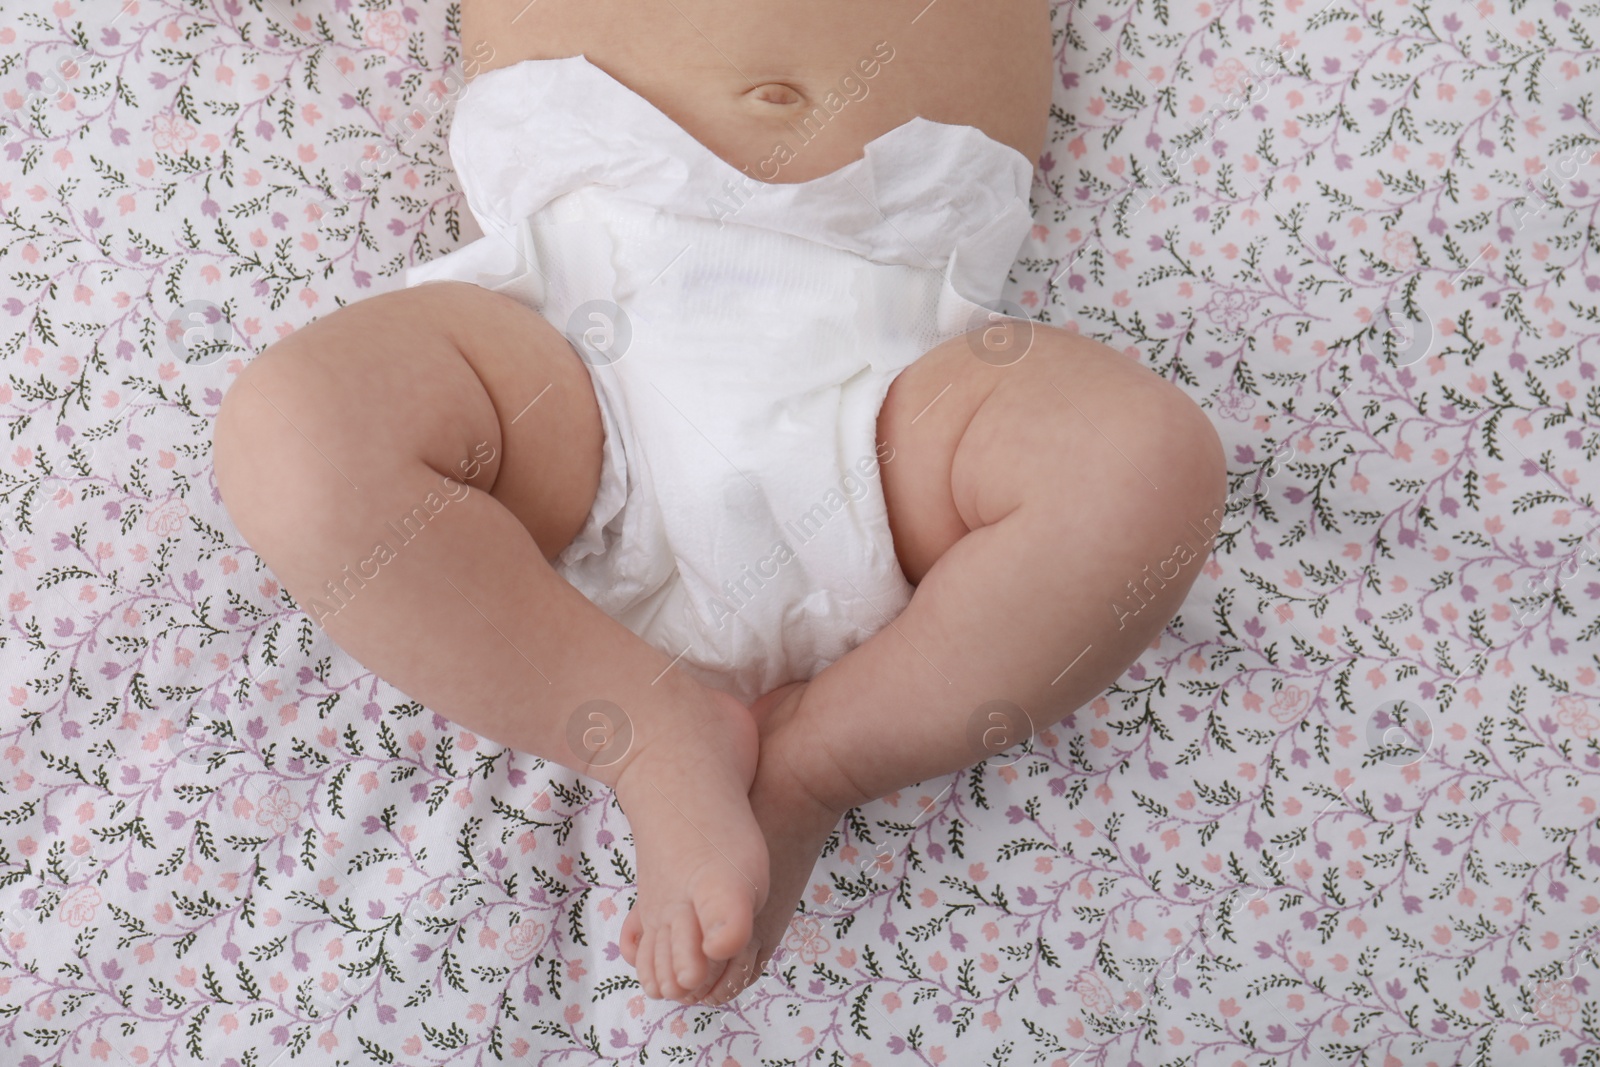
(808,770)
(688,710)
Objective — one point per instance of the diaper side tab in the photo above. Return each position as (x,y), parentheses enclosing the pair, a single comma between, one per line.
(979,265)
(504,261)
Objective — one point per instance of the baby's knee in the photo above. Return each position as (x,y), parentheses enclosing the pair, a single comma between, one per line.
(275,442)
(1195,458)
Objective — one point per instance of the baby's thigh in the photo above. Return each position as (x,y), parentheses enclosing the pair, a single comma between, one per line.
(469,382)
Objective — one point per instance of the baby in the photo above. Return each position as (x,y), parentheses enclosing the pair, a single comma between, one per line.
(712,470)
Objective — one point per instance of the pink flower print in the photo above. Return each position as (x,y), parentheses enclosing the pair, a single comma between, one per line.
(386,31)
(79,906)
(1095,996)
(1556,1003)
(167,520)
(525,937)
(170,133)
(278,811)
(1230,308)
(1289,704)
(1230,75)
(1233,403)
(1572,711)
(806,940)
(1399,249)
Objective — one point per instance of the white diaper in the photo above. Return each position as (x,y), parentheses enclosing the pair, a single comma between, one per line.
(741,338)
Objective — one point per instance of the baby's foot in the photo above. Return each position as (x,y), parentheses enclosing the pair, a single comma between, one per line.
(633,926)
(796,823)
(702,860)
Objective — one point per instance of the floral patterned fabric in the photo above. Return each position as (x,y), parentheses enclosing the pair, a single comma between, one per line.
(1344,811)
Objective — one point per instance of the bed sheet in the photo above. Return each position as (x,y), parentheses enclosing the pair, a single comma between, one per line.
(1342,812)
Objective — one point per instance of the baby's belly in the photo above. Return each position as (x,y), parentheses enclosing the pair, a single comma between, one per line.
(742,77)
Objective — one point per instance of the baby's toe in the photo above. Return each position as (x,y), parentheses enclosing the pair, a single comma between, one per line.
(688,962)
(632,931)
(666,982)
(646,965)
(714,971)
(738,974)
(727,917)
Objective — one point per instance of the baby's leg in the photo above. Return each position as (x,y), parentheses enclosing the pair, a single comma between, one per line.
(1027,502)
(346,435)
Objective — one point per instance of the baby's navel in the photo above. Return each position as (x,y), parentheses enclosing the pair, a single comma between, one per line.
(775,93)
